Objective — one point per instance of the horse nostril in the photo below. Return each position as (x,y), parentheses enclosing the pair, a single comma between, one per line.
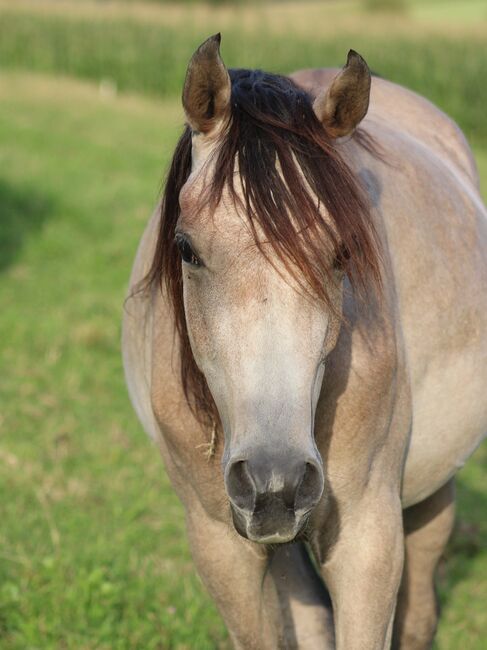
(262,486)
(240,485)
(309,489)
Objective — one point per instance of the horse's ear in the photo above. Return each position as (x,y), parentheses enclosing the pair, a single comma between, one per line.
(343,105)
(207,87)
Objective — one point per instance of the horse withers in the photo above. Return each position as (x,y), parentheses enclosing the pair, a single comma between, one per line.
(306,340)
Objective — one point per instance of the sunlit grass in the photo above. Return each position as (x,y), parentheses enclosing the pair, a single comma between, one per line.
(461,12)
(92,545)
(481,159)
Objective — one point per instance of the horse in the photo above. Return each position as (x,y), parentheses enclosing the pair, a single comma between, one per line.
(305,340)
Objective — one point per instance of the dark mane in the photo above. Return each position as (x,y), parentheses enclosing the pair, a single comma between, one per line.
(288,169)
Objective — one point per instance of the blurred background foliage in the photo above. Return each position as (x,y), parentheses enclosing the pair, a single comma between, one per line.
(437,49)
(92,544)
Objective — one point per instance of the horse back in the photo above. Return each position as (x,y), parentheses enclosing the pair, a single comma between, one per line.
(407,111)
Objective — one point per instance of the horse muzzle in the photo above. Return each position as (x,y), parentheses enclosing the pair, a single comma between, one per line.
(271,499)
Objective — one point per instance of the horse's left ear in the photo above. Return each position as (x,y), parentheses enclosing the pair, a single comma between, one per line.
(343,105)
(207,87)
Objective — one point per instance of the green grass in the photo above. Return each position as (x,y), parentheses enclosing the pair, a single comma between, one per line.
(468,11)
(92,543)
(93,552)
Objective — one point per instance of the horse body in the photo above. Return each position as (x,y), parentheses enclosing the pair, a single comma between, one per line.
(432,214)
(401,406)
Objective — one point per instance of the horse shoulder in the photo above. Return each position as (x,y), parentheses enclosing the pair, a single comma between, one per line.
(436,228)
(137,326)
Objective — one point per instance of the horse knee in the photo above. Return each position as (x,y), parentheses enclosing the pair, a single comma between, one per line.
(419,635)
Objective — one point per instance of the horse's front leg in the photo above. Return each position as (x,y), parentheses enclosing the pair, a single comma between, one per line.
(363,572)
(235,572)
(268,602)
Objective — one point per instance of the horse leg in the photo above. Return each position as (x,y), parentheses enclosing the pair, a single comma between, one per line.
(234,572)
(427,527)
(242,581)
(363,570)
(304,602)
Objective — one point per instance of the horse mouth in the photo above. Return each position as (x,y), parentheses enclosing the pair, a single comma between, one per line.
(270,528)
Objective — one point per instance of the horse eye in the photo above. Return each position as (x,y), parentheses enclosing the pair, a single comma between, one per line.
(187,253)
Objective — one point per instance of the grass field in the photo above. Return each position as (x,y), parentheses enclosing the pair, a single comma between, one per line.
(93,552)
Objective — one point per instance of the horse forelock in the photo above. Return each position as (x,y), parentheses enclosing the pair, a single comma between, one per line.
(290,174)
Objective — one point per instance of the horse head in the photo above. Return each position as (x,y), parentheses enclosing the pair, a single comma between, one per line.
(256,240)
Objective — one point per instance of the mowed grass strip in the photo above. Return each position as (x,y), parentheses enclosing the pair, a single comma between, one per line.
(93,552)
(150,56)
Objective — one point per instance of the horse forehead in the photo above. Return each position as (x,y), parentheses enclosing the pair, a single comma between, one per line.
(225,220)
(191,194)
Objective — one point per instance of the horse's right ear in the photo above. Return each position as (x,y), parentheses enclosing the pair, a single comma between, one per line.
(207,88)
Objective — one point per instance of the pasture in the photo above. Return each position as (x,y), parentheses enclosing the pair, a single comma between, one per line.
(93,552)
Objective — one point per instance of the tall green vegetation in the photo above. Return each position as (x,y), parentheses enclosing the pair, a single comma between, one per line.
(151,58)
(386,5)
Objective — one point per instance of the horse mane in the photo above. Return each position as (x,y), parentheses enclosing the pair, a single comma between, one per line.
(289,169)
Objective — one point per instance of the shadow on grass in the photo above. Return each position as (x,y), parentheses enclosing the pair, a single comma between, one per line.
(22,210)
(468,541)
